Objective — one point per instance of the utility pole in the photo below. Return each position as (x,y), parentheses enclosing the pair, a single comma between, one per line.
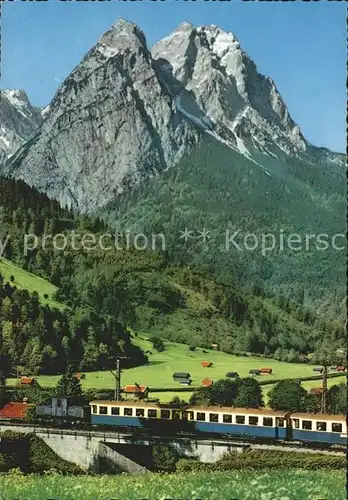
(324,389)
(117,375)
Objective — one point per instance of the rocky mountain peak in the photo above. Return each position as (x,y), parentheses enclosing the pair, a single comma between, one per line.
(123,35)
(243,105)
(110,124)
(126,113)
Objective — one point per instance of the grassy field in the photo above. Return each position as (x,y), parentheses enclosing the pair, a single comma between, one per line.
(177,358)
(241,485)
(28,281)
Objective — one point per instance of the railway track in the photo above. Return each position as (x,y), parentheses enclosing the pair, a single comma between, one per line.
(90,432)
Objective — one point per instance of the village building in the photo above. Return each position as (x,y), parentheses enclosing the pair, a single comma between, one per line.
(14,410)
(136,391)
(61,407)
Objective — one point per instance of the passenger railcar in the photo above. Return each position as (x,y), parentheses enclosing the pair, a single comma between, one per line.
(253,423)
(319,428)
(248,422)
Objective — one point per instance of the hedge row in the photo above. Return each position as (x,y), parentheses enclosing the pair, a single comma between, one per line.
(266,460)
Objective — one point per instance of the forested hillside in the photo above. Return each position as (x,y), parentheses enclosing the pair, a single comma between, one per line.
(106,291)
(220,190)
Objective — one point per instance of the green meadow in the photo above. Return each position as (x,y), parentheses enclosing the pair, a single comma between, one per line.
(241,485)
(24,280)
(178,358)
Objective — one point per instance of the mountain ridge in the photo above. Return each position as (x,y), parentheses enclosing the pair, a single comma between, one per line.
(149,108)
(190,132)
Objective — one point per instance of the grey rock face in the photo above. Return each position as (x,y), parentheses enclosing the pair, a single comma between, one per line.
(110,124)
(19,121)
(245,106)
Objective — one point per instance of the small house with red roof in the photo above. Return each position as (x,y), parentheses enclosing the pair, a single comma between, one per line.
(340,368)
(207,382)
(136,391)
(80,376)
(14,410)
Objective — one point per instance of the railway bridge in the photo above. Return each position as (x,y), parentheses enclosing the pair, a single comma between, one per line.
(125,451)
(95,450)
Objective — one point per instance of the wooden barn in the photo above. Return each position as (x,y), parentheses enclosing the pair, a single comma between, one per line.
(207,382)
(80,376)
(25,381)
(206,364)
(266,370)
(232,375)
(183,378)
(254,372)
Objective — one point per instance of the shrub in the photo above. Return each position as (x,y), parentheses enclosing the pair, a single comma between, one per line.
(257,460)
(189,465)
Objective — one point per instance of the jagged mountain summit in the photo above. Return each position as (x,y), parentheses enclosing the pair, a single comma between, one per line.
(19,121)
(126,113)
(208,66)
(110,124)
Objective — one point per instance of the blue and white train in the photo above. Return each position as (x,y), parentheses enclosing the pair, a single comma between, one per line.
(253,423)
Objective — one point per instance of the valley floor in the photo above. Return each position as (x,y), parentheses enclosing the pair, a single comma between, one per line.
(241,485)
(158,373)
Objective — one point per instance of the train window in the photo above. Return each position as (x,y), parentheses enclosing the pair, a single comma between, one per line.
(279,422)
(253,420)
(226,418)
(115,410)
(94,408)
(336,427)
(307,425)
(295,423)
(152,413)
(103,410)
(321,426)
(176,414)
(187,415)
(140,412)
(213,417)
(201,416)
(240,419)
(268,421)
(165,413)
(128,412)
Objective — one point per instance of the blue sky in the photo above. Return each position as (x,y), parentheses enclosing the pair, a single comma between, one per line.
(300,45)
